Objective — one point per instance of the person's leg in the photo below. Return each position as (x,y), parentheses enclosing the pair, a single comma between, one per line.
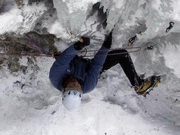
(123,58)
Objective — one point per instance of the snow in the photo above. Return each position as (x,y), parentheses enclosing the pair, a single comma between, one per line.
(171,59)
(30,105)
(6,23)
(20,20)
(176,11)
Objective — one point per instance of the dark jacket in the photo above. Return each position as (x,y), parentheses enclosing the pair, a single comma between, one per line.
(69,64)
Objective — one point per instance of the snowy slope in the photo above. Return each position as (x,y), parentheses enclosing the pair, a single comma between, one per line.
(30,105)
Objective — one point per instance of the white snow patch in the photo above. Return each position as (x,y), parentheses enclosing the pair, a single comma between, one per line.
(20,20)
(176,10)
(82,5)
(10,21)
(57,29)
(172,57)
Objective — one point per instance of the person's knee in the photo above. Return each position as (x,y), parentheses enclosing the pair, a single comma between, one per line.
(121,54)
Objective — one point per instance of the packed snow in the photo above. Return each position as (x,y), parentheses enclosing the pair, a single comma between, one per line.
(30,105)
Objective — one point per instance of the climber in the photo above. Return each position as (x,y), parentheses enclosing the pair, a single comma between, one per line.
(75,76)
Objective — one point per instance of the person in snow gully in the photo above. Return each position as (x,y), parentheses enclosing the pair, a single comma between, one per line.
(75,76)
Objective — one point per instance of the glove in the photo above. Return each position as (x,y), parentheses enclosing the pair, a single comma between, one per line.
(80,45)
(108,41)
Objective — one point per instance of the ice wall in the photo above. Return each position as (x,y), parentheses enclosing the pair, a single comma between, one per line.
(72,14)
(148,19)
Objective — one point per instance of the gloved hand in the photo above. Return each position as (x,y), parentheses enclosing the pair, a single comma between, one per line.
(80,45)
(108,41)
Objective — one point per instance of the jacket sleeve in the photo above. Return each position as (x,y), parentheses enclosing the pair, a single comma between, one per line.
(61,65)
(92,75)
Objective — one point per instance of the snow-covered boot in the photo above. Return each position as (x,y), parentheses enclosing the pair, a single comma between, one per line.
(147,85)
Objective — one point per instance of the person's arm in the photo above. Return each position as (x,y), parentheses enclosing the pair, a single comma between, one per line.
(92,75)
(60,66)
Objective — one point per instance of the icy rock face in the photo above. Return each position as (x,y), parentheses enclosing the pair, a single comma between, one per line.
(147,19)
(72,13)
(26,16)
